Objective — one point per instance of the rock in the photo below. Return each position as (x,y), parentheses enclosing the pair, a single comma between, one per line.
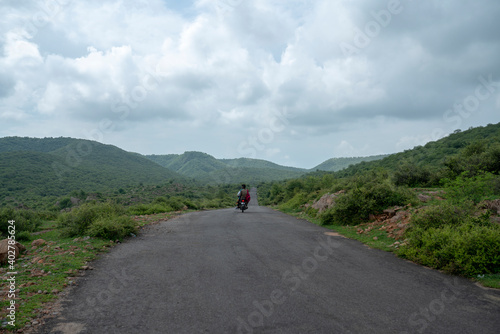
(55,291)
(4,250)
(424,198)
(493,205)
(38,242)
(390,212)
(327,201)
(74,200)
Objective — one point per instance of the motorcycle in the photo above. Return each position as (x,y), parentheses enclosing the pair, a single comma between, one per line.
(243,205)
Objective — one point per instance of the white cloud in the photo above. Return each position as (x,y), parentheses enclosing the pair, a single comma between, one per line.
(216,68)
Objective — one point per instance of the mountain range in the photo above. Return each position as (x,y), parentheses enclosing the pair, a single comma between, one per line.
(34,167)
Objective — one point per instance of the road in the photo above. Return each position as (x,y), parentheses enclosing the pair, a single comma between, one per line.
(265,272)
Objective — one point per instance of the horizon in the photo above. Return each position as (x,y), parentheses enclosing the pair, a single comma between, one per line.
(295,83)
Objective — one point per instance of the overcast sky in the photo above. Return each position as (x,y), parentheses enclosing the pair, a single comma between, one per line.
(292,81)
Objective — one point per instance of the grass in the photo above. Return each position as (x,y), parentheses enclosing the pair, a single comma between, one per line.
(489,281)
(44,272)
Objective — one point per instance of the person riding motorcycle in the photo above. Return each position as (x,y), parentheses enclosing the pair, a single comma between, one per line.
(242,194)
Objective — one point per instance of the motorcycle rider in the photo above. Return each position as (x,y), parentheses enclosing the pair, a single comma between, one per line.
(242,194)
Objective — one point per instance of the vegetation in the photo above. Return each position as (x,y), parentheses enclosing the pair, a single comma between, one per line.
(454,232)
(336,164)
(207,169)
(34,174)
(97,194)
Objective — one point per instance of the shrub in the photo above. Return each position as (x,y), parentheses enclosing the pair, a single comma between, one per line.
(112,228)
(23,236)
(466,250)
(25,220)
(77,221)
(442,214)
(149,209)
(409,174)
(295,202)
(475,188)
(357,204)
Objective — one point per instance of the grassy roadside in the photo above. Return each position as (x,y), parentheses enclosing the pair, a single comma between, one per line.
(45,271)
(379,239)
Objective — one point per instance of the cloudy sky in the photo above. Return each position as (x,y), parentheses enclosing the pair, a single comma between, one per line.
(292,81)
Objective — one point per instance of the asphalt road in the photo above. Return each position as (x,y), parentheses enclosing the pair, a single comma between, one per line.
(265,272)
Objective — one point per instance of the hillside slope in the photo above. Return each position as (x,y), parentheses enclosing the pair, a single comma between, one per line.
(336,164)
(206,168)
(434,154)
(30,169)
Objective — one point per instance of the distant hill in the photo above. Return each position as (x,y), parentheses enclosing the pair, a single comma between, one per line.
(206,168)
(257,163)
(433,154)
(31,167)
(336,164)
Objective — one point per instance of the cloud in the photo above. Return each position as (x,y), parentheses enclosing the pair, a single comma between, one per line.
(219,68)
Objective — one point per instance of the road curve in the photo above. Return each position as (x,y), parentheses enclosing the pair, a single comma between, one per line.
(265,272)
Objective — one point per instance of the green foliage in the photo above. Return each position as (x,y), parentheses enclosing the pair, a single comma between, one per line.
(475,188)
(78,221)
(23,236)
(467,249)
(46,168)
(112,228)
(295,203)
(25,220)
(65,203)
(442,214)
(337,164)
(475,159)
(411,175)
(358,203)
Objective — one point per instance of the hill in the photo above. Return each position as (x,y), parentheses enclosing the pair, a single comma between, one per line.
(336,164)
(208,169)
(31,167)
(434,154)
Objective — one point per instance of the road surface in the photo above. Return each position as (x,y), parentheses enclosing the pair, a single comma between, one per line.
(265,272)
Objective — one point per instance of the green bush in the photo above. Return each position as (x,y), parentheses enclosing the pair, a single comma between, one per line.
(295,202)
(77,221)
(112,228)
(467,250)
(23,236)
(149,209)
(476,188)
(411,175)
(25,220)
(442,214)
(357,204)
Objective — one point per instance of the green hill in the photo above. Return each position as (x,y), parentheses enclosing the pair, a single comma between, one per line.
(29,169)
(336,164)
(208,169)
(191,164)
(434,154)
(257,163)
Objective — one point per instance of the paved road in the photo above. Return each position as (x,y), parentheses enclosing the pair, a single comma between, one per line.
(265,272)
